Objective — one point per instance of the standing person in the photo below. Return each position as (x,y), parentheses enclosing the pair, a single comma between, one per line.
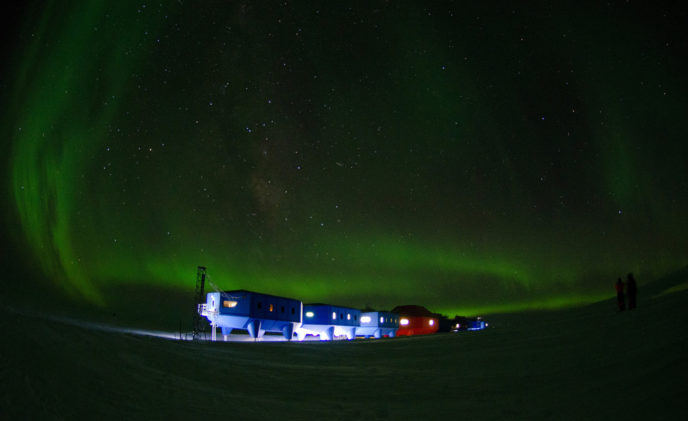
(620,298)
(632,291)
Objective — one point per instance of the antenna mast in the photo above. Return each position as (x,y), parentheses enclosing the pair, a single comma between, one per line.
(198,325)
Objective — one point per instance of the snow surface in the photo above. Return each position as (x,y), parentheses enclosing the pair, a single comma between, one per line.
(585,363)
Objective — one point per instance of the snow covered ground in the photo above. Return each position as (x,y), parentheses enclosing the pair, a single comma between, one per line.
(584,363)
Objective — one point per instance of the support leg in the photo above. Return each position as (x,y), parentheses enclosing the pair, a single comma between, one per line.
(253,328)
(328,334)
(351,334)
(288,331)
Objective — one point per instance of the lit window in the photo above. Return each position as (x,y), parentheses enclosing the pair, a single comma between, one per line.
(432,322)
(334,316)
(404,322)
(271,308)
(348,316)
(309,314)
(365,319)
(382,319)
(227,303)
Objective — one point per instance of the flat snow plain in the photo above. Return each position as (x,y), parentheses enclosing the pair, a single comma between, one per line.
(584,363)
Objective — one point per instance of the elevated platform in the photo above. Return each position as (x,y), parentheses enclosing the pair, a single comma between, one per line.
(329,322)
(378,324)
(252,311)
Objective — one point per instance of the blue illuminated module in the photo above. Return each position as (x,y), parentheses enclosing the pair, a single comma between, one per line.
(476,324)
(378,324)
(328,321)
(257,313)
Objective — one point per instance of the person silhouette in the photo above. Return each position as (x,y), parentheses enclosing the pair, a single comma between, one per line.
(620,298)
(632,290)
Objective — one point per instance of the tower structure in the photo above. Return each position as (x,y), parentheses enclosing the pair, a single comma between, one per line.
(198,322)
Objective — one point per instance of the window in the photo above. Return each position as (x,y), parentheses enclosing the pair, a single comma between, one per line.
(309,314)
(293,311)
(341,316)
(348,316)
(432,322)
(365,319)
(404,322)
(259,305)
(271,308)
(334,316)
(282,309)
(382,319)
(229,304)
(355,317)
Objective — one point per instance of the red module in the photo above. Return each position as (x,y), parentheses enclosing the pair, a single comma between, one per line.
(416,320)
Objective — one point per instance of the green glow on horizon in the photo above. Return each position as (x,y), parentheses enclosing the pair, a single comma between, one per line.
(676,288)
(551,303)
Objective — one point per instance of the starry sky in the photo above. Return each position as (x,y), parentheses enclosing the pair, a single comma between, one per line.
(472,157)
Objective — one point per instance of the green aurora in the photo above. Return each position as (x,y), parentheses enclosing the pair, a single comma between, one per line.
(467,158)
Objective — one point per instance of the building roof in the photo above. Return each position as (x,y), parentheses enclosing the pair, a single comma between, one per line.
(240,292)
(329,305)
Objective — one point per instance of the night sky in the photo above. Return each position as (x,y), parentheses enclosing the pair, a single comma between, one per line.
(466,156)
